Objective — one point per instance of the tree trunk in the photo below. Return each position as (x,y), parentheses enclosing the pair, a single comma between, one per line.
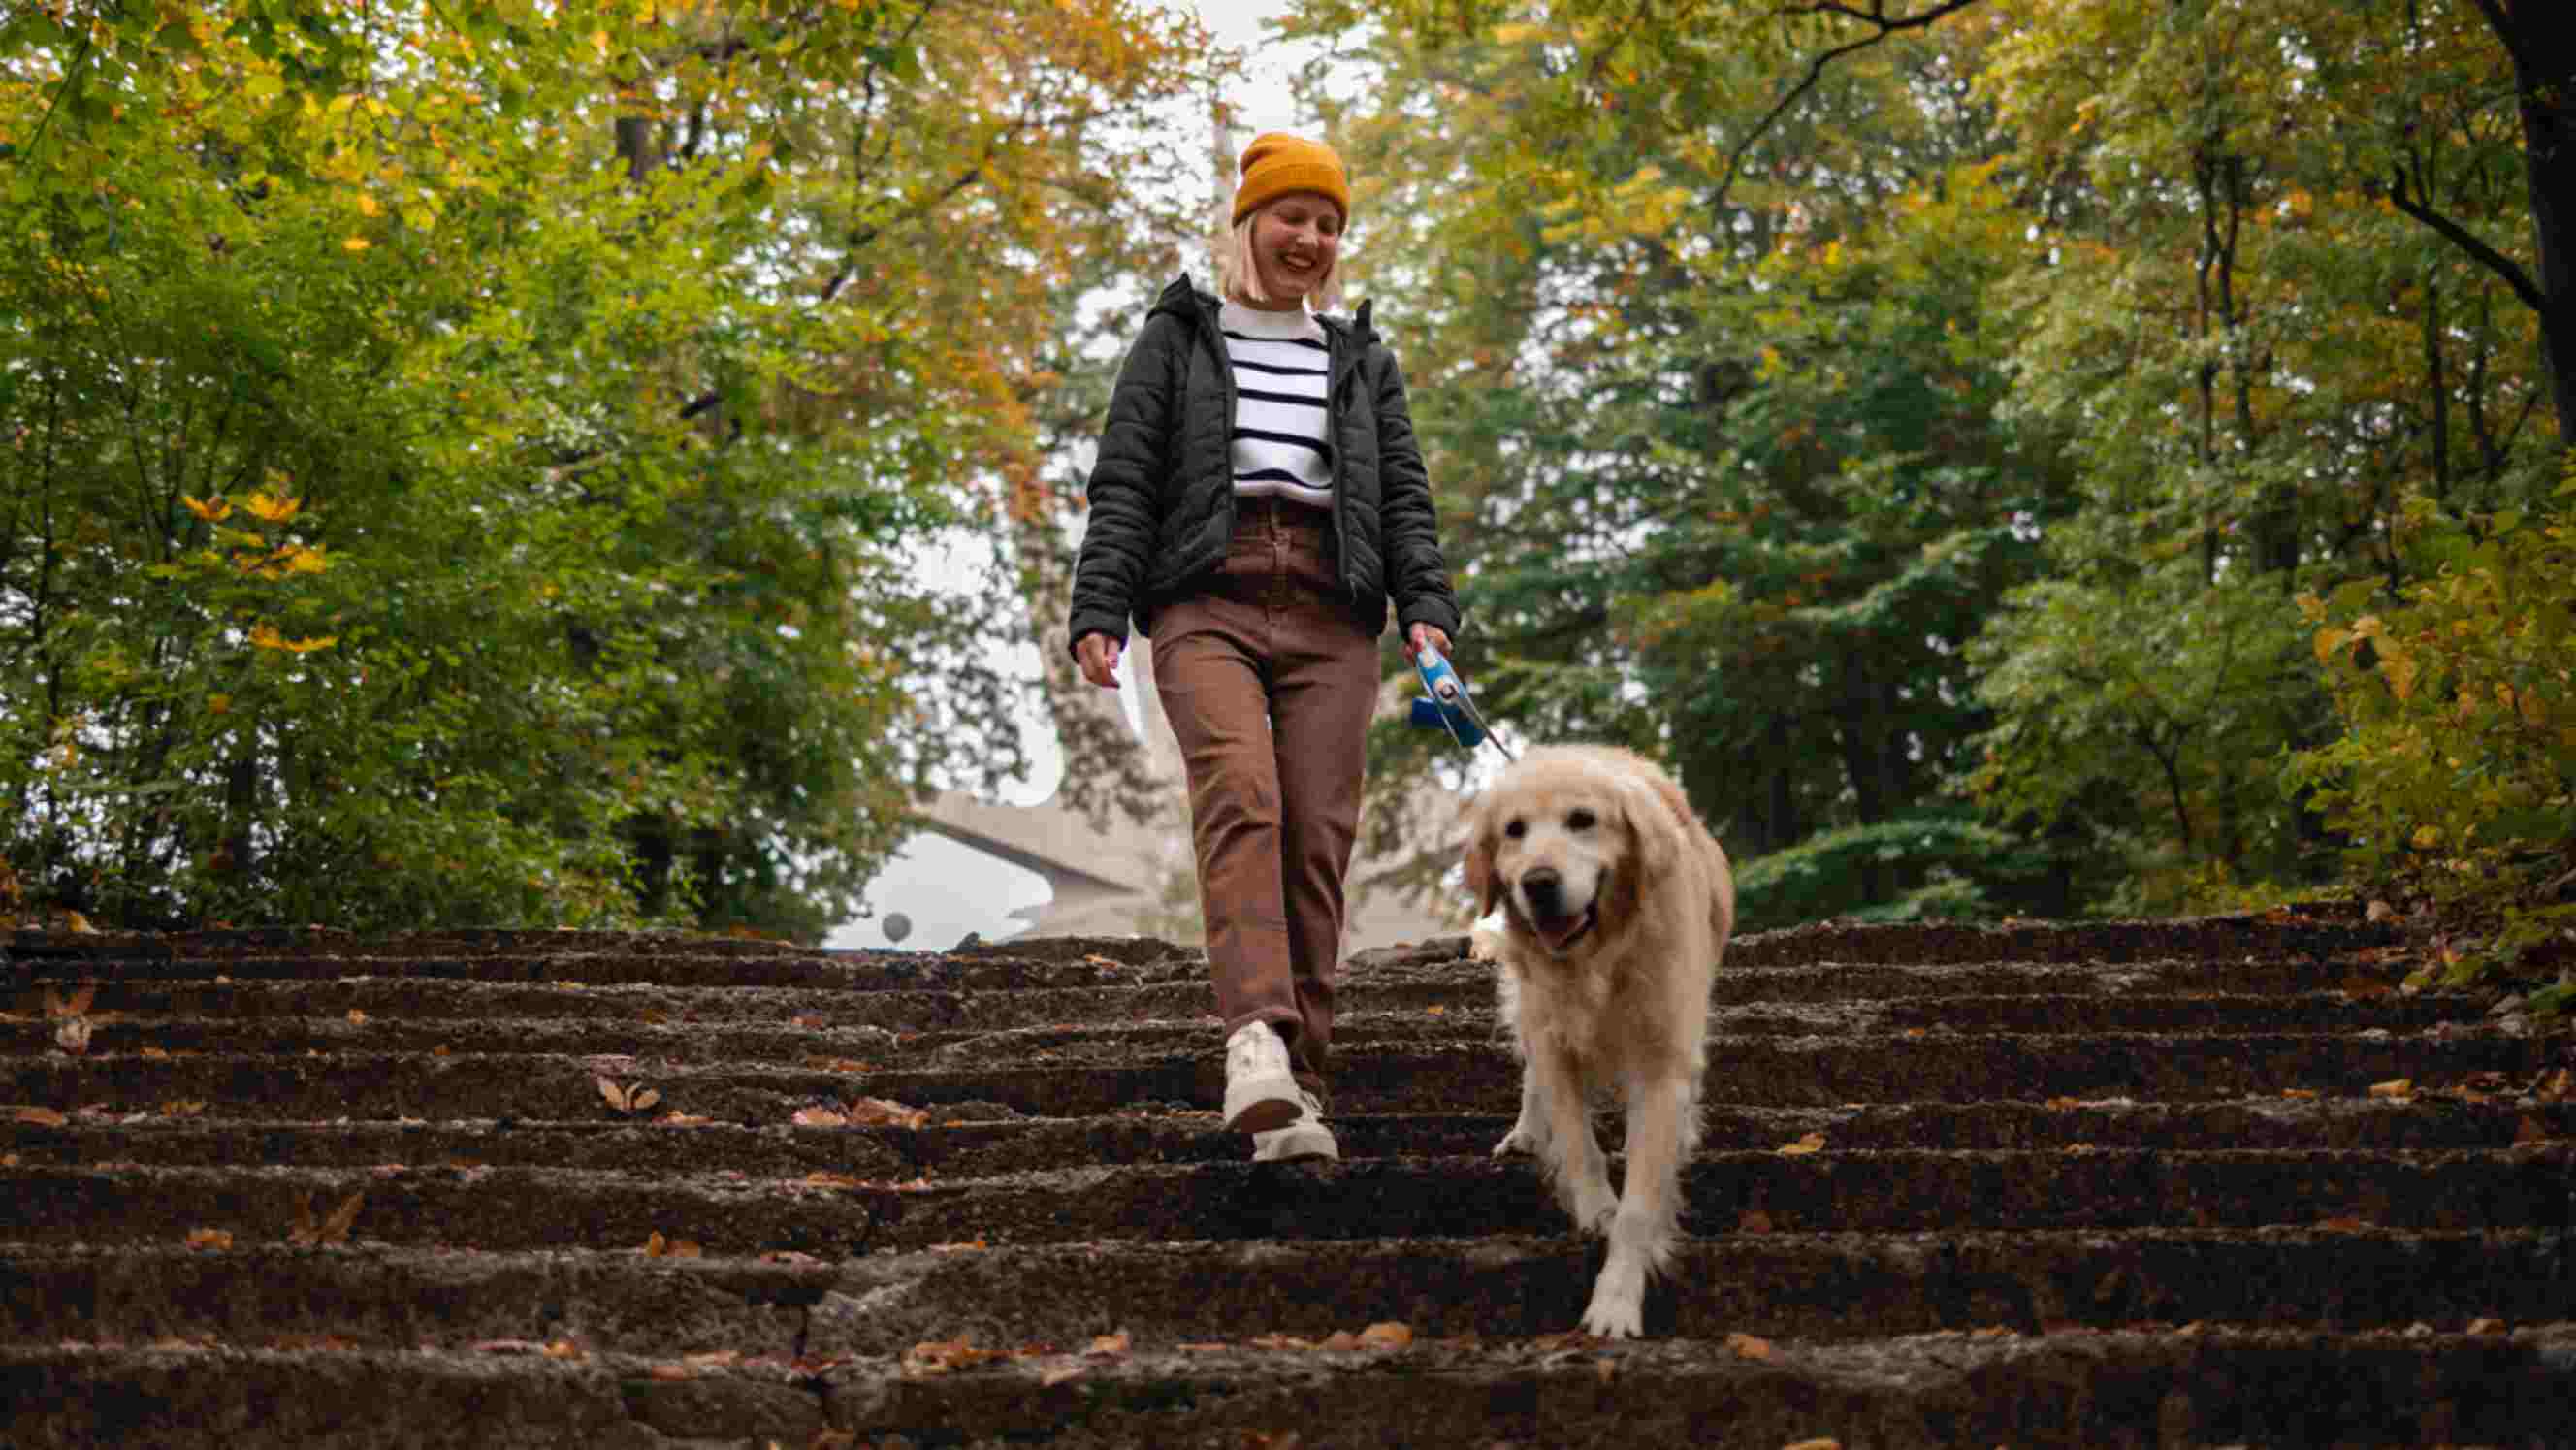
(2544,66)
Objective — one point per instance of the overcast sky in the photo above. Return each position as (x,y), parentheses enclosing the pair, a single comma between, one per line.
(944,890)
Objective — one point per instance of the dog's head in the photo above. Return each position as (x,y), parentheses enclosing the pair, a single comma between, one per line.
(1567,842)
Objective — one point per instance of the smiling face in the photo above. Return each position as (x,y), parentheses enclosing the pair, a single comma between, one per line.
(1295,241)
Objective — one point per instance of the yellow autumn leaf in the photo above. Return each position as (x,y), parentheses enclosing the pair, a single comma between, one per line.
(2329,641)
(266,637)
(274,508)
(2400,670)
(356,244)
(1812,1143)
(212,511)
(367,205)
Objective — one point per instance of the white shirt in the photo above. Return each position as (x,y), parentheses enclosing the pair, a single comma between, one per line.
(1281,365)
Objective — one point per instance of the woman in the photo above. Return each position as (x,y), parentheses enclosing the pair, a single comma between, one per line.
(1257,504)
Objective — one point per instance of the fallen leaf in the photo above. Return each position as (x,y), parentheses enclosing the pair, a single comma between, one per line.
(2082,1149)
(1059,1372)
(967,1246)
(677,1119)
(73,1036)
(634,1097)
(183,1107)
(563,1349)
(2531,1131)
(2379,910)
(1279,1341)
(357,1018)
(2298,1092)
(1812,1143)
(715,1358)
(2486,1326)
(333,1229)
(1754,1221)
(210,1238)
(939,1356)
(656,1245)
(1203,1346)
(1340,1339)
(669,1372)
(2344,1224)
(2395,1087)
(686,1249)
(508,1346)
(870,1111)
(72,1006)
(1813,1445)
(1748,1346)
(1117,1343)
(2556,1086)
(154,1053)
(821,1118)
(41,1117)
(1387,1334)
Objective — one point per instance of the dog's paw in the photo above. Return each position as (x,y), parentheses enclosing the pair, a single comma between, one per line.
(1615,1314)
(1522,1140)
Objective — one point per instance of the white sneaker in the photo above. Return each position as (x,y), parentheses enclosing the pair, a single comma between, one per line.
(1306,1138)
(1260,1092)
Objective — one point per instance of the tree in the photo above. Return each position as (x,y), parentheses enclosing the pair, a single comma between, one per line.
(486,446)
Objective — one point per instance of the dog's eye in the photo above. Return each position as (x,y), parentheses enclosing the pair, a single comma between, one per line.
(1516,829)
(1581,820)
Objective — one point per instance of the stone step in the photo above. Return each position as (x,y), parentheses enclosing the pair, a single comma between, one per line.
(1011,1144)
(869,1206)
(2097,1390)
(852,1034)
(1992,994)
(2280,931)
(1089,1076)
(1840,1287)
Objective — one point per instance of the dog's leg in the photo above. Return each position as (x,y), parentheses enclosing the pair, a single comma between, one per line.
(1571,1151)
(1649,1209)
(1529,1135)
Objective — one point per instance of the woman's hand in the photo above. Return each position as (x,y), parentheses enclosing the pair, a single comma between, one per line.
(1425,635)
(1098,656)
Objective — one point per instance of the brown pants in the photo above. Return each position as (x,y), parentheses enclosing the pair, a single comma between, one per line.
(1269,685)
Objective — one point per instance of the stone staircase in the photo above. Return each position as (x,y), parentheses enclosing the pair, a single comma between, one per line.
(2162,1183)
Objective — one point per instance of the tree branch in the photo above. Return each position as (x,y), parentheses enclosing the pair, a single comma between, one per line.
(2419,206)
(1882,27)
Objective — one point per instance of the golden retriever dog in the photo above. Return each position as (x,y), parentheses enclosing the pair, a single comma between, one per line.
(1617,903)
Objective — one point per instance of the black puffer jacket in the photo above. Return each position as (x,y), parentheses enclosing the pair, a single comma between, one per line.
(1162,488)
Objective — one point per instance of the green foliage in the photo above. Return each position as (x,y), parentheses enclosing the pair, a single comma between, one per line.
(1926,865)
(470,463)
(1955,422)
(2455,776)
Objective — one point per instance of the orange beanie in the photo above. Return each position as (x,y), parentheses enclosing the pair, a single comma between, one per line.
(1277,163)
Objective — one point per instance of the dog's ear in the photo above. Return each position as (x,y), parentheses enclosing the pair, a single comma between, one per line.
(1479,864)
(1656,844)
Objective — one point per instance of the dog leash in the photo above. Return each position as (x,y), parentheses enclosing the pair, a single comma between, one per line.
(1449,706)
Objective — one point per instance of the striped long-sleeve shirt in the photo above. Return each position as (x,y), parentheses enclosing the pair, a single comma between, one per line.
(1280,366)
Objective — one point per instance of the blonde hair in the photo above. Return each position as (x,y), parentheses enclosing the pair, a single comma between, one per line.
(1236,275)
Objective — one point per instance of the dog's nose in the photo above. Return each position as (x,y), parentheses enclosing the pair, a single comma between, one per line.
(1544,889)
